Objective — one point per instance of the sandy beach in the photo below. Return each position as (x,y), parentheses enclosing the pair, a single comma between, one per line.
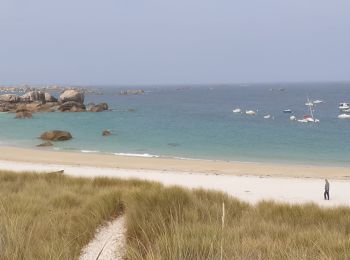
(49,156)
(251,182)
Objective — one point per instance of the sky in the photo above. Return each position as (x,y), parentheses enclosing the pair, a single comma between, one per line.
(106,42)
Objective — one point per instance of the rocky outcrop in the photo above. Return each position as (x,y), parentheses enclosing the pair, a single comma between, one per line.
(33,96)
(40,101)
(24,114)
(45,144)
(97,108)
(106,133)
(72,95)
(47,107)
(37,107)
(11,98)
(132,92)
(7,106)
(72,106)
(56,135)
(50,98)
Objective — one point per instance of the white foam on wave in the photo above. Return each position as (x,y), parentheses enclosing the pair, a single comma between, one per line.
(137,155)
(89,151)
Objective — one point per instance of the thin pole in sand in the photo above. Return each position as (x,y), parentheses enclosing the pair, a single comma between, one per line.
(222,229)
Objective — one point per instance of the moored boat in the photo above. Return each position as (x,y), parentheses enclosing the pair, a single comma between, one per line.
(344,116)
(344,106)
(309,104)
(250,112)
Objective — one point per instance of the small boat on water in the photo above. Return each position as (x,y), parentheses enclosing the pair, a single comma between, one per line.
(237,110)
(317,101)
(250,112)
(293,118)
(287,111)
(303,120)
(309,118)
(344,106)
(309,104)
(344,116)
(267,116)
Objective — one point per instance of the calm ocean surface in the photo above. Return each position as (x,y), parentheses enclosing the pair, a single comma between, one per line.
(197,122)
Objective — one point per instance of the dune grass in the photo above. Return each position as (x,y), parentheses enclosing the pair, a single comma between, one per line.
(172,223)
(54,216)
(50,216)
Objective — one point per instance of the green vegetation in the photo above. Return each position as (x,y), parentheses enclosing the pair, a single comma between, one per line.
(53,216)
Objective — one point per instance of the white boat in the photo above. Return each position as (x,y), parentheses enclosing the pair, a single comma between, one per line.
(309,104)
(267,116)
(293,118)
(344,106)
(309,118)
(344,116)
(250,112)
(237,110)
(317,101)
(287,111)
(303,121)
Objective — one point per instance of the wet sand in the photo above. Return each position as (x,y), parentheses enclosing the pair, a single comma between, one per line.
(49,156)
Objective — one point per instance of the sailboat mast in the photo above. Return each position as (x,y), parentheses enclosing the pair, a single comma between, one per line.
(310,108)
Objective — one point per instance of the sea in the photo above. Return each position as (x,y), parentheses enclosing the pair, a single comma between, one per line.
(197,122)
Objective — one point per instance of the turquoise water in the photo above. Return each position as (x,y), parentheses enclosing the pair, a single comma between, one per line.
(197,122)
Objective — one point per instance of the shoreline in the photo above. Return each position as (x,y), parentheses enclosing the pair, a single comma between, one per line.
(165,164)
(248,188)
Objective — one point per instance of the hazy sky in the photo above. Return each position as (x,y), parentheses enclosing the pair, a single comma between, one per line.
(173,41)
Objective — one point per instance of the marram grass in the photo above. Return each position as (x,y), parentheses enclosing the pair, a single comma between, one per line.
(50,216)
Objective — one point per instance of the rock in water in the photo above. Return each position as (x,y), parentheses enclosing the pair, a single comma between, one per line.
(72,95)
(72,106)
(132,92)
(45,144)
(90,106)
(56,135)
(106,133)
(24,115)
(98,108)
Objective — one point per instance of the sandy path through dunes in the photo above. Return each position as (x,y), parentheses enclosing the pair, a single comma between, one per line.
(108,243)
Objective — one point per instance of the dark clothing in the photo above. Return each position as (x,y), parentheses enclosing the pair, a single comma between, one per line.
(326,186)
(326,194)
(326,190)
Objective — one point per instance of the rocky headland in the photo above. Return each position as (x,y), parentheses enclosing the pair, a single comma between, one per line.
(70,100)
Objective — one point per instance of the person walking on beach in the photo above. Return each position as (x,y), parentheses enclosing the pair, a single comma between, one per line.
(326,190)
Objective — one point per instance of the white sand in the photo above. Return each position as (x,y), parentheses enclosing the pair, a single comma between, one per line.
(248,188)
(108,243)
